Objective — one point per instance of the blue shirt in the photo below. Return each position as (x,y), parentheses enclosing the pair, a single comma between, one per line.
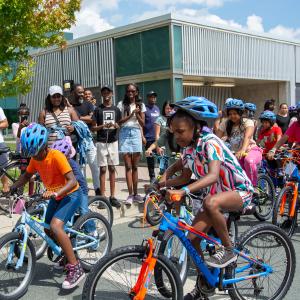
(151,114)
(78,175)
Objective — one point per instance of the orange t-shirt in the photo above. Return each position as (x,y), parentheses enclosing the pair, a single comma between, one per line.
(52,170)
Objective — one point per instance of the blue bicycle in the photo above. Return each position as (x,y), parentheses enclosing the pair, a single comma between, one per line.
(18,256)
(264,269)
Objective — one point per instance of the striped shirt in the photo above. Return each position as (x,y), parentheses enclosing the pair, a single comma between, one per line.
(64,120)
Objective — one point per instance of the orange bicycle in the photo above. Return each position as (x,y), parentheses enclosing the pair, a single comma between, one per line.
(287,205)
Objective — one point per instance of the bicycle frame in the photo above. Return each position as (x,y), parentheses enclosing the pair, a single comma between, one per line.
(212,275)
(34,223)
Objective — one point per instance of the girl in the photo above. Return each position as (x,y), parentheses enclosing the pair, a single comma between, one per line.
(239,132)
(160,124)
(215,168)
(130,138)
(283,118)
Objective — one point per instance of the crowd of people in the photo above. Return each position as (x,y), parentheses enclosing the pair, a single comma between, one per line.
(223,159)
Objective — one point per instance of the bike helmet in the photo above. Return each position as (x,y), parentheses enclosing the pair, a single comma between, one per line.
(268,115)
(33,139)
(250,106)
(198,107)
(234,104)
(292,108)
(64,146)
(298,106)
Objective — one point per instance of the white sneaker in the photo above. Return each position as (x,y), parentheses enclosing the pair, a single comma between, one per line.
(138,198)
(129,200)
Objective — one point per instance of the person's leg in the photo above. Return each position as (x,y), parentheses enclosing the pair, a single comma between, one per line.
(150,162)
(112,180)
(93,164)
(135,177)
(5,184)
(3,161)
(251,161)
(102,180)
(84,209)
(128,171)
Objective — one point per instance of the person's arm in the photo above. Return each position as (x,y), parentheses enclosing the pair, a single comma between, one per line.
(73,114)
(281,142)
(171,170)
(23,179)
(42,117)
(182,179)
(157,130)
(87,119)
(96,127)
(209,179)
(3,124)
(150,149)
(22,125)
(246,141)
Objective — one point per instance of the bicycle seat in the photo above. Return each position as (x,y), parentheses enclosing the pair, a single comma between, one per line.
(4,150)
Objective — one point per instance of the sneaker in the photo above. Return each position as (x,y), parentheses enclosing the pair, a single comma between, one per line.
(195,294)
(60,263)
(114,202)
(75,274)
(138,198)
(222,258)
(97,192)
(129,200)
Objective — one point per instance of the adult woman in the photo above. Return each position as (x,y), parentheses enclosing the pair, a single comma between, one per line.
(57,115)
(239,132)
(160,124)
(130,138)
(269,105)
(283,118)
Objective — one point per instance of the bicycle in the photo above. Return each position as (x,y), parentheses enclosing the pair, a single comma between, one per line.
(287,205)
(172,247)
(142,272)
(18,257)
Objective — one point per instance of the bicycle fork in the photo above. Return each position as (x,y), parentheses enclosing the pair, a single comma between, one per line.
(293,202)
(139,291)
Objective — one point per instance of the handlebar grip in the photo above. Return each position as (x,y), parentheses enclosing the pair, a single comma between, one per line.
(175,198)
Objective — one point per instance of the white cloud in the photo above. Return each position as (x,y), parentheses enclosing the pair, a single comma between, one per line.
(255,24)
(89,19)
(285,32)
(163,4)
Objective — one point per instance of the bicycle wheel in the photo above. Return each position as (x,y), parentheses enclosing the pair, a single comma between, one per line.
(153,215)
(173,249)
(272,246)
(40,245)
(116,274)
(12,171)
(95,225)
(14,283)
(232,227)
(265,199)
(284,221)
(102,206)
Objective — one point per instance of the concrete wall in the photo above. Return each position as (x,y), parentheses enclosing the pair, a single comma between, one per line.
(258,93)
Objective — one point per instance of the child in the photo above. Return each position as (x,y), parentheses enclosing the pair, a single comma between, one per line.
(214,166)
(60,182)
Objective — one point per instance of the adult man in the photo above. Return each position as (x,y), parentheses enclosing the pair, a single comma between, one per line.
(105,122)
(3,156)
(151,114)
(85,111)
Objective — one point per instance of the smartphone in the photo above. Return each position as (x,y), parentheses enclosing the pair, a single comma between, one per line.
(23,118)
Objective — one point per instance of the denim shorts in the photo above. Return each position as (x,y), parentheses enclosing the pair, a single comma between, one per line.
(65,208)
(130,140)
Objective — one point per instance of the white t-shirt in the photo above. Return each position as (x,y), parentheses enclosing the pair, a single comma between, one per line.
(2,118)
(132,122)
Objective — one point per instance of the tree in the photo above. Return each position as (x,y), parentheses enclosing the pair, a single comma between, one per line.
(26,24)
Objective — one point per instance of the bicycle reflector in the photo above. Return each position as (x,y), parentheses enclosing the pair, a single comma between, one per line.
(175,198)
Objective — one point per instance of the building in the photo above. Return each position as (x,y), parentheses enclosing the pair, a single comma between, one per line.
(176,58)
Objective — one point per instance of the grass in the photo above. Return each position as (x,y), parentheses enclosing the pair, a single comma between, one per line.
(12,146)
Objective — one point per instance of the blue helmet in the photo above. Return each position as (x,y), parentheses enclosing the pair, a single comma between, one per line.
(268,115)
(292,108)
(33,139)
(250,106)
(298,106)
(234,104)
(198,107)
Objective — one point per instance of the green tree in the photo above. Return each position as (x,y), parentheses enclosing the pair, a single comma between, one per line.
(26,24)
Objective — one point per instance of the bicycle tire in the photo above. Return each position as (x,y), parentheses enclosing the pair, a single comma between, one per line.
(153,215)
(182,270)
(13,177)
(280,238)
(78,226)
(288,229)
(22,287)
(100,201)
(138,252)
(39,251)
(262,200)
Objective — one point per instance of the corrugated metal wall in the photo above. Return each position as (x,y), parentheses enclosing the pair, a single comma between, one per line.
(216,94)
(297,64)
(208,52)
(91,64)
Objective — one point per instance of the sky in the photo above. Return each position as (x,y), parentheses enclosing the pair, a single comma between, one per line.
(279,18)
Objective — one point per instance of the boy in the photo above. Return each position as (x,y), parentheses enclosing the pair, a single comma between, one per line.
(105,122)
(59,180)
